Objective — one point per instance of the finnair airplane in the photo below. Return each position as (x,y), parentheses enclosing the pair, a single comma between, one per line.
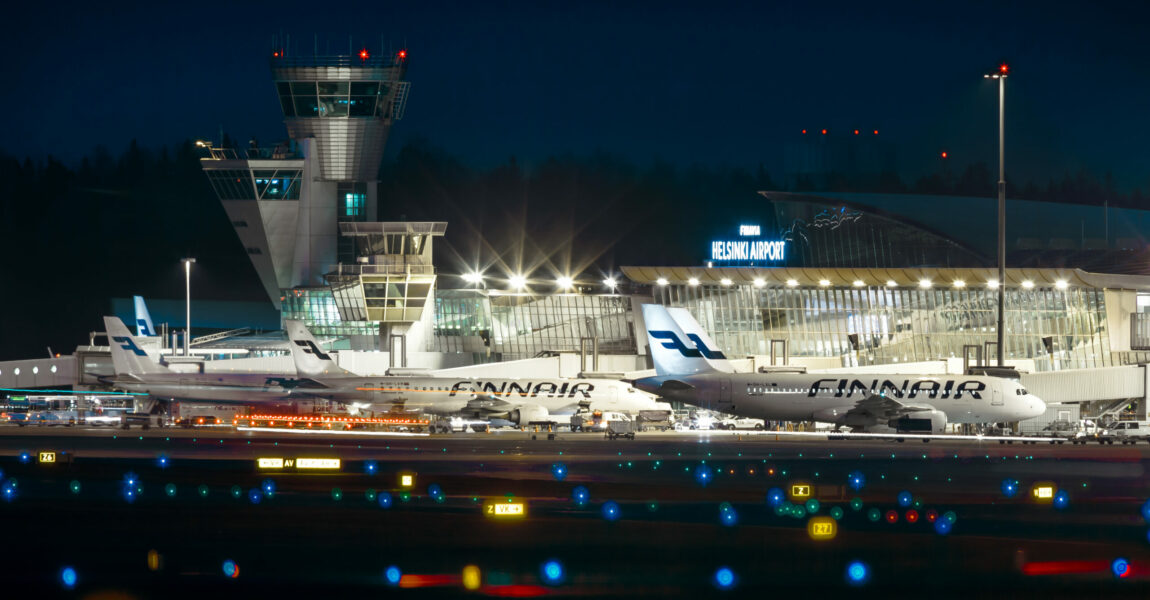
(690,369)
(520,401)
(138,372)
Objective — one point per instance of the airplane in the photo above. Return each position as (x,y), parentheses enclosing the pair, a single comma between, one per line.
(520,401)
(144,326)
(689,368)
(138,372)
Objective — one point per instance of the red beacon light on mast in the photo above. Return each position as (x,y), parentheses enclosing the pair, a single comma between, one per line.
(363,54)
(1003,68)
(401,55)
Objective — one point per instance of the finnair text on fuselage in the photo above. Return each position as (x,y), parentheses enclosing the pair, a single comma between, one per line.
(886,387)
(525,389)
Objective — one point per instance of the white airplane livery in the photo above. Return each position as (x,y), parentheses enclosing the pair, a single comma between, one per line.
(690,369)
(521,401)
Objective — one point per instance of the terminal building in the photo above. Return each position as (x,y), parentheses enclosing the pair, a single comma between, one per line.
(881,282)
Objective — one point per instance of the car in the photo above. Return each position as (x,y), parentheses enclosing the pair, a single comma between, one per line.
(741,423)
(1130,432)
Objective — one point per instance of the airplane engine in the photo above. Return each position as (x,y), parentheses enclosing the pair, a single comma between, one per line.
(526,414)
(923,421)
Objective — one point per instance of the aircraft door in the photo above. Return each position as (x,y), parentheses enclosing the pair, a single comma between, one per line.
(724,395)
(996,398)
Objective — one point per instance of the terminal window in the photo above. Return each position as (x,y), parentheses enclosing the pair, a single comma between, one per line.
(353,204)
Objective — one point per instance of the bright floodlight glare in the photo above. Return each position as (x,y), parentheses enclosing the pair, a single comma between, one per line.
(959,283)
(824,282)
(517,281)
(725,281)
(564,282)
(992,284)
(1060,284)
(1028,284)
(472,277)
(891,283)
(792,283)
(661,281)
(759,282)
(693,281)
(923,283)
(610,282)
(859,283)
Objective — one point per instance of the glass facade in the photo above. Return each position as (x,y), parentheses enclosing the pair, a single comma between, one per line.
(1057,328)
(334,99)
(316,307)
(255,184)
(517,326)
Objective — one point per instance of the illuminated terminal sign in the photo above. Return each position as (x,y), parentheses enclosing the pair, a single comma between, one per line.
(748,250)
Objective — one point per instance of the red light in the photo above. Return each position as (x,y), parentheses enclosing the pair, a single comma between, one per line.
(402,54)
(804,132)
(912,516)
(876,132)
(891,516)
(944,154)
(1003,68)
(856,132)
(931,515)
(363,55)
(824,132)
(276,54)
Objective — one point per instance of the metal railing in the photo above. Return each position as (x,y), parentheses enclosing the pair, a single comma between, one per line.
(343,60)
(281,152)
(381,269)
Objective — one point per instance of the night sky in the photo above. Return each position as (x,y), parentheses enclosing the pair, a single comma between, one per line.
(723,86)
(712,83)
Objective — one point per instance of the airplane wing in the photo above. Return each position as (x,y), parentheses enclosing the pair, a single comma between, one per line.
(882,409)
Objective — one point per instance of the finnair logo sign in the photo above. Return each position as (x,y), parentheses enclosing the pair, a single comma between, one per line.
(309,347)
(672,342)
(748,250)
(127,343)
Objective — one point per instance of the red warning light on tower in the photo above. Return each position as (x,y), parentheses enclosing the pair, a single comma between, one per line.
(402,54)
(856,132)
(944,154)
(363,55)
(824,132)
(1003,68)
(876,132)
(804,132)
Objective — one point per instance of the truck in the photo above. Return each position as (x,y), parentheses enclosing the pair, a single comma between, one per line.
(654,419)
(617,428)
(1060,431)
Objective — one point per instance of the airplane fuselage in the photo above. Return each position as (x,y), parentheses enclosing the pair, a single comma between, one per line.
(827,397)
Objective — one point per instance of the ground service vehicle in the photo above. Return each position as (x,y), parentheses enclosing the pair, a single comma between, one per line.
(618,428)
(1130,432)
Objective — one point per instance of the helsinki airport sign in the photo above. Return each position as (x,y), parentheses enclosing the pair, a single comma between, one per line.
(748,250)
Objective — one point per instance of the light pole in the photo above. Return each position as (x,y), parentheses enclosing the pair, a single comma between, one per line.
(1000,75)
(188,305)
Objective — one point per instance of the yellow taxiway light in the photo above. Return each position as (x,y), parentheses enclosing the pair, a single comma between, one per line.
(47,457)
(471,577)
(822,528)
(1043,492)
(318,463)
(505,510)
(800,491)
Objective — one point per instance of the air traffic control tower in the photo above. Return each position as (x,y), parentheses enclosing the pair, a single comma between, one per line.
(287,203)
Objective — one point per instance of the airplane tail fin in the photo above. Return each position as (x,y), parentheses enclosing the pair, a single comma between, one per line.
(703,342)
(309,358)
(127,356)
(144,326)
(671,350)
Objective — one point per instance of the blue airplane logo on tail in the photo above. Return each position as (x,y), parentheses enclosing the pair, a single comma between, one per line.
(127,343)
(672,342)
(309,347)
(144,329)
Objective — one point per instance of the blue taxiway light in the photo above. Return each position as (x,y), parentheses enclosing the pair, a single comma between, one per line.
(775,497)
(1009,487)
(559,471)
(905,498)
(724,578)
(68,577)
(370,467)
(580,495)
(1120,567)
(858,573)
(385,500)
(611,510)
(1061,499)
(231,569)
(392,574)
(553,572)
(856,480)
